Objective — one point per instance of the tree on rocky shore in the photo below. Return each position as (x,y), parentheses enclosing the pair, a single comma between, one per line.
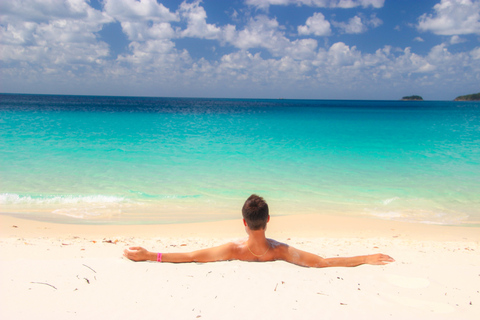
(469,97)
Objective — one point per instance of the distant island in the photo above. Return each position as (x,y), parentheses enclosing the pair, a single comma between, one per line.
(469,97)
(412,98)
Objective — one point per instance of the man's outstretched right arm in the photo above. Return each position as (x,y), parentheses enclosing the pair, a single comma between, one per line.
(220,253)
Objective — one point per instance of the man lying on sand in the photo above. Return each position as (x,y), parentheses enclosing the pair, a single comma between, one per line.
(256,248)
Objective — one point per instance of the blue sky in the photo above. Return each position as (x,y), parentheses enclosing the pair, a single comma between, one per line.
(303,49)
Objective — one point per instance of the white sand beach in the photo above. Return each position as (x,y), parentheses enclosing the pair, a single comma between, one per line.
(62,271)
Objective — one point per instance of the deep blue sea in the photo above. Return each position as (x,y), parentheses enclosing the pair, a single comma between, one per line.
(130,160)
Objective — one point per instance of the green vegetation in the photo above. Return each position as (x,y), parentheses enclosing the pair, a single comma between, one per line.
(414,98)
(469,97)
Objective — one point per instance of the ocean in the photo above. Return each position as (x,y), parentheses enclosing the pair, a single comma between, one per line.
(142,160)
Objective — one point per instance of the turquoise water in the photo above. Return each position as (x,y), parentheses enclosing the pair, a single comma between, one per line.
(147,160)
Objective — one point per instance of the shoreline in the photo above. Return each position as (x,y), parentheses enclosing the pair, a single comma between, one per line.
(78,271)
(198,212)
(300,225)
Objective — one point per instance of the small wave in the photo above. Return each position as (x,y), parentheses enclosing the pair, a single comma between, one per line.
(163,196)
(12,198)
(390,215)
(420,210)
(74,206)
(421,216)
(88,212)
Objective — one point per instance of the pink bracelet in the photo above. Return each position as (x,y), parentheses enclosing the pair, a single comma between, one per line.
(159,257)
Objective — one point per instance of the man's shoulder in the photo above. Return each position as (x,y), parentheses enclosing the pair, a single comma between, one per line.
(235,245)
(274,244)
(280,249)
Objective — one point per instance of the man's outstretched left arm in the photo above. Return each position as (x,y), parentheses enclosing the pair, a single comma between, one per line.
(308,259)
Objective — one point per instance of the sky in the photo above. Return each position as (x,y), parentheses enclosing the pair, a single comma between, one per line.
(292,49)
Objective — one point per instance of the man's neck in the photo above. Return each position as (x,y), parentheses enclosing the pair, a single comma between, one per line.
(257,237)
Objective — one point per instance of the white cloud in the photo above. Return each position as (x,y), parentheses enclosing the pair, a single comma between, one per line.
(354,25)
(427,67)
(41,12)
(261,32)
(374,21)
(419,39)
(341,67)
(304,49)
(452,17)
(316,25)
(475,53)
(318,3)
(358,24)
(456,40)
(357,3)
(196,17)
(139,10)
(140,31)
(267,3)
(340,54)
(151,54)
(142,20)
(338,68)
(52,34)
(148,26)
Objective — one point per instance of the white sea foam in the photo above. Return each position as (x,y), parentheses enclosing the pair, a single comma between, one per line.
(419,210)
(388,215)
(12,198)
(88,212)
(75,206)
(420,216)
(388,201)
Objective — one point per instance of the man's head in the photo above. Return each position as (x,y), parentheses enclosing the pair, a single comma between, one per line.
(255,212)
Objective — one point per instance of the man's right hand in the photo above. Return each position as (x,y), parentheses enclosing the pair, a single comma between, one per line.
(138,254)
